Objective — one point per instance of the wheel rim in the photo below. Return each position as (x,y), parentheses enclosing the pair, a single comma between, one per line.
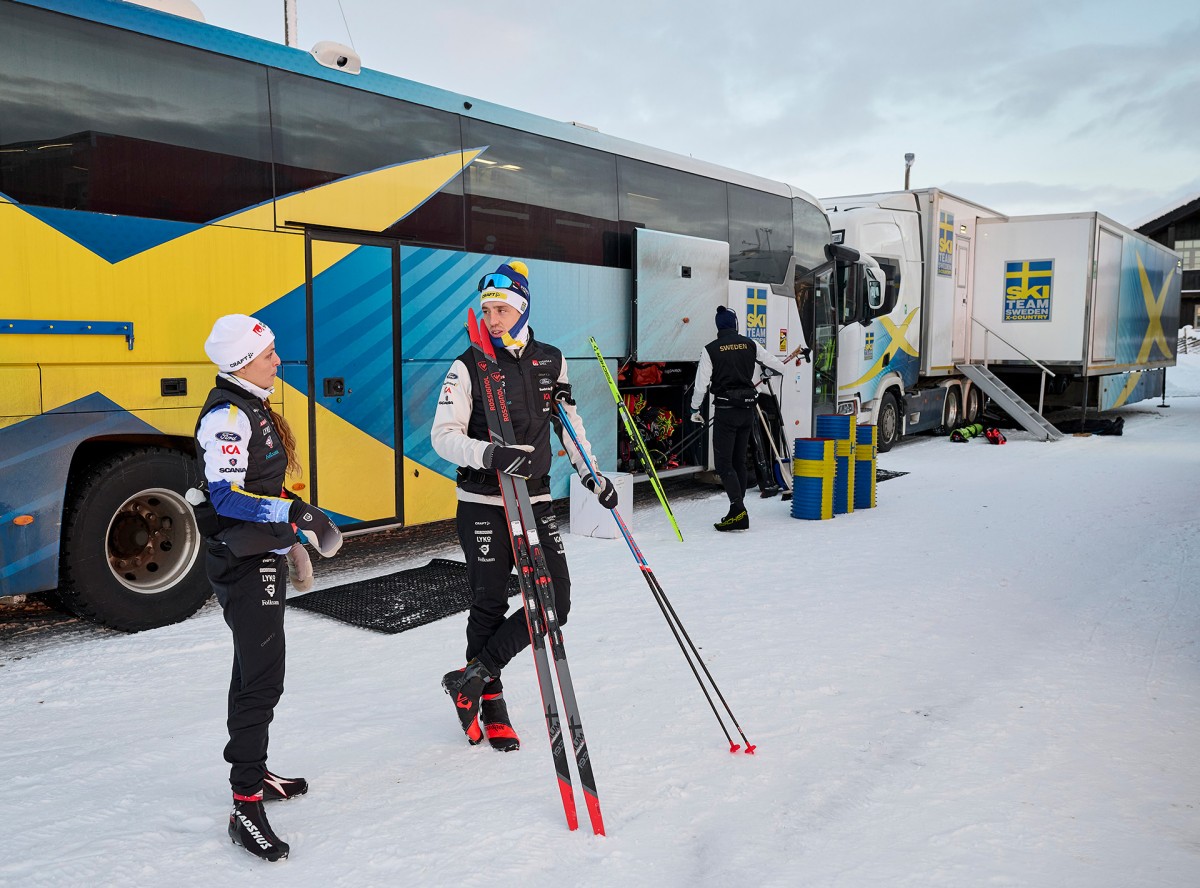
(152,541)
(887,423)
(951,411)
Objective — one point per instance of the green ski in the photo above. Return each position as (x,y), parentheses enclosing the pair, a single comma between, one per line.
(635,436)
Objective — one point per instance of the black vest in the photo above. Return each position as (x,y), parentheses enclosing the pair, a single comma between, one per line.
(733,360)
(266,459)
(529,383)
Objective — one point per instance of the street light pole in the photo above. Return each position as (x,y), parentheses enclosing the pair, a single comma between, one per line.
(290,37)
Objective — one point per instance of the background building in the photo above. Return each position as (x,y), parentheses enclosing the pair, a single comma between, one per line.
(1178,227)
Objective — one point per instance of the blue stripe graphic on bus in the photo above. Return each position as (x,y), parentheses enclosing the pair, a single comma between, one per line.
(34,481)
(114,238)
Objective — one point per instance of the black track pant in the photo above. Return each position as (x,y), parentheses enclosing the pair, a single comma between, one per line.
(731,434)
(251,592)
(495,636)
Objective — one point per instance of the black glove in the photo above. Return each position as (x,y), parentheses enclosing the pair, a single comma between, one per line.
(516,460)
(603,488)
(317,527)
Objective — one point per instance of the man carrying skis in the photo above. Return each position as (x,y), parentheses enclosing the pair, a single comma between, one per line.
(729,369)
(535,376)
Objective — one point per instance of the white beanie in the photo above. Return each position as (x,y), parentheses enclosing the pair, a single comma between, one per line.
(236,340)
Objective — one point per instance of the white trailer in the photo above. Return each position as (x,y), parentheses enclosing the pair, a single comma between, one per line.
(1061,310)
(1094,301)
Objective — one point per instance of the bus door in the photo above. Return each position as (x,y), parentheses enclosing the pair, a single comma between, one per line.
(824,342)
(353,290)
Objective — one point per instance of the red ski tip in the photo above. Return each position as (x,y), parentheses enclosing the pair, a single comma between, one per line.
(568,799)
(750,747)
(734,747)
(593,806)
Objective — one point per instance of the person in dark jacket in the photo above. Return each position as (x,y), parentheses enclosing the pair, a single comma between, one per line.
(535,375)
(729,370)
(245,451)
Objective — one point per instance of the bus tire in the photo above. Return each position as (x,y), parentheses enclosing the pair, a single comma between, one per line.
(132,558)
(888,422)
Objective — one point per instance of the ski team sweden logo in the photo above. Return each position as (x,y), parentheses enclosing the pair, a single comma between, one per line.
(756,314)
(1027,286)
(945,244)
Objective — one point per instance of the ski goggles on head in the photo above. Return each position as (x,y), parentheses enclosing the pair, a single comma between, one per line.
(497,281)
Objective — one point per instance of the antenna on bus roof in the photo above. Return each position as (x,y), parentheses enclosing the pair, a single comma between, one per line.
(182,8)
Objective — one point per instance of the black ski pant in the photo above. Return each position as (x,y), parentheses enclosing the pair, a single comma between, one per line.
(495,636)
(731,434)
(251,592)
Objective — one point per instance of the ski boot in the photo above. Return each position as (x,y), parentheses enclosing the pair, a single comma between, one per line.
(737,519)
(995,436)
(249,828)
(465,686)
(280,789)
(500,733)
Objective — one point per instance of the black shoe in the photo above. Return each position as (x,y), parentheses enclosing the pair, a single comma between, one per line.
(737,519)
(500,733)
(279,789)
(465,687)
(249,828)
(767,492)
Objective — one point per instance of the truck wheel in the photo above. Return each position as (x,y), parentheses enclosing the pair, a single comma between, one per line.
(130,549)
(888,421)
(952,411)
(974,408)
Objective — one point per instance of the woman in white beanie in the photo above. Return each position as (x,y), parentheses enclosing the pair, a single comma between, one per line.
(245,450)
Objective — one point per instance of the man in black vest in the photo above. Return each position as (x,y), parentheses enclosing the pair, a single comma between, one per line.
(729,371)
(535,376)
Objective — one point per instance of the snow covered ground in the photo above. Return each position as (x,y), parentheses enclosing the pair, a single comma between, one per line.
(991,679)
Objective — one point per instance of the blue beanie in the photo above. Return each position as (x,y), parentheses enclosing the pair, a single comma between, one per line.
(726,319)
(509,284)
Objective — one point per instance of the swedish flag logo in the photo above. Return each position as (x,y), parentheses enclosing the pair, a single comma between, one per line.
(1027,289)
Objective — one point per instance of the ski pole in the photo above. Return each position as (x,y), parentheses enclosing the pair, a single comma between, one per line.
(635,439)
(668,611)
(692,436)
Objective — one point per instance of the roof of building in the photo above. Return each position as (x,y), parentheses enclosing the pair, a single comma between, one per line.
(1162,218)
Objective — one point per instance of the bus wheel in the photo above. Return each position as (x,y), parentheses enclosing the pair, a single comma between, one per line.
(974,408)
(888,421)
(131,554)
(952,411)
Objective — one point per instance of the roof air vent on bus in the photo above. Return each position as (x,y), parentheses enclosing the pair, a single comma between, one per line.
(337,56)
(184,8)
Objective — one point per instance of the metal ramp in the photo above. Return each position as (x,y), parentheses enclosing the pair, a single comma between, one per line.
(1010,402)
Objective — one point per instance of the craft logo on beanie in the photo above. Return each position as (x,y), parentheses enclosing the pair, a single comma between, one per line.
(236,340)
(726,319)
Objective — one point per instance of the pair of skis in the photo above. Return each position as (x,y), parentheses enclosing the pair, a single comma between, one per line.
(537,593)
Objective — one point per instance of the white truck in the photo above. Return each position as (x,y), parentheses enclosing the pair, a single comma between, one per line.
(1061,310)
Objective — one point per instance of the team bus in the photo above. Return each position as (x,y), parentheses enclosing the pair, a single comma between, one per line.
(157,172)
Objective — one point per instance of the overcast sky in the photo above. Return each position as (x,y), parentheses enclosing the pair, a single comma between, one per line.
(1027,107)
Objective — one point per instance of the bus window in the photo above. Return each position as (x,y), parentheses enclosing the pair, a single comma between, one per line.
(539,198)
(324,131)
(760,236)
(98,119)
(671,200)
